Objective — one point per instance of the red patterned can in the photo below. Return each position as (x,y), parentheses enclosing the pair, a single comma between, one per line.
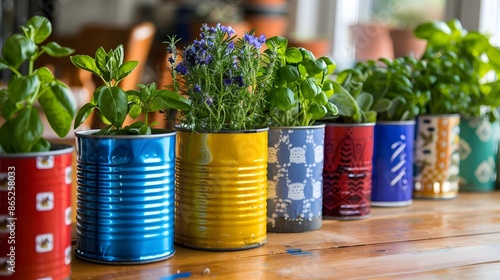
(347,172)
(35,214)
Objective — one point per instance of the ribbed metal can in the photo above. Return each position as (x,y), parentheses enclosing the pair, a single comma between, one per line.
(295,182)
(125,200)
(35,214)
(221,190)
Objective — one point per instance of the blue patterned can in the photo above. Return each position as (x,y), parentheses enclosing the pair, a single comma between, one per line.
(125,201)
(295,182)
(392,178)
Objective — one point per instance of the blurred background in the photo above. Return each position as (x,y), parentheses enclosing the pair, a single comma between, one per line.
(347,30)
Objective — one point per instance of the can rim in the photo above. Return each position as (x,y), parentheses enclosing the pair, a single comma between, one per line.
(55,150)
(408,122)
(351,124)
(256,130)
(314,126)
(156,133)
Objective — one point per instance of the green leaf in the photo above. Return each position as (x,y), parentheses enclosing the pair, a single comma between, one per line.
(18,49)
(282,98)
(42,28)
(23,139)
(321,98)
(293,55)
(328,88)
(85,62)
(309,89)
(330,63)
(382,105)
(54,49)
(6,139)
(59,106)
(436,32)
(113,105)
(83,114)
(41,146)
(125,69)
(314,66)
(166,99)
(289,73)
(365,101)
(277,42)
(3,64)
(332,109)
(317,111)
(135,111)
(371,116)
(23,88)
(100,59)
(346,104)
(44,75)
(119,54)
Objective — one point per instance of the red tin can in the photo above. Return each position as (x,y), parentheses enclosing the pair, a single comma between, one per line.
(35,214)
(347,172)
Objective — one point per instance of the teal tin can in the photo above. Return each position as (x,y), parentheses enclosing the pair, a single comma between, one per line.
(478,154)
(125,200)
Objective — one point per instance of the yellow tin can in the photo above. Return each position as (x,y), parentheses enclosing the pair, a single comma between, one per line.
(221,190)
(437,158)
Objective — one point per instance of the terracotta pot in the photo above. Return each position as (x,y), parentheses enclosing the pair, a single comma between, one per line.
(371,41)
(270,18)
(405,43)
(319,47)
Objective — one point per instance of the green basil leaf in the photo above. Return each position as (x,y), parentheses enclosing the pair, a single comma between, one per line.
(59,106)
(309,89)
(382,105)
(44,75)
(22,88)
(282,98)
(23,139)
(6,139)
(41,146)
(321,98)
(277,42)
(3,64)
(85,62)
(330,64)
(42,28)
(100,59)
(18,49)
(54,49)
(436,32)
(293,55)
(317,111)
(83,114)
(332,109)
(314,66)
(166,99)
(113,104)
(289,73)
(135,111)
(125,69)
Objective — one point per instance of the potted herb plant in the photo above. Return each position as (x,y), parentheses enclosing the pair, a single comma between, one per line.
(298,97)
(35,175)
(395,80)
(458,62)
(221,183)
(125,174)
(348,149)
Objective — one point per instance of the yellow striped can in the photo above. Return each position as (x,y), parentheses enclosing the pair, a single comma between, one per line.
(221,190)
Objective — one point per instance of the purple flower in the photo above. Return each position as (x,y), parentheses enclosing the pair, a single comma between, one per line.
(208,100)
(181,68)
(230,46)
(227,81)
(252,40)
(171,60)
(227,29)
(197,88)
(239,80)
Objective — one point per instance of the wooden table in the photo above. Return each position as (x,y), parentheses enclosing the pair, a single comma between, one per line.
(457,238)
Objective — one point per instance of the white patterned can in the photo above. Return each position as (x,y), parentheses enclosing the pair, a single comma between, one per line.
(295,182)
(478,153)
(392,178)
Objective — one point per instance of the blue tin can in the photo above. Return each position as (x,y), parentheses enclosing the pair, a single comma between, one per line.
(392,178)
(125,200)
(295,181)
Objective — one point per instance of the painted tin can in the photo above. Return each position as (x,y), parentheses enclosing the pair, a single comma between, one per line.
(221,190)
(35,214)
(125,201)
(478,153)
(437,158)
(347,172)
(392,179)
(294,178)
